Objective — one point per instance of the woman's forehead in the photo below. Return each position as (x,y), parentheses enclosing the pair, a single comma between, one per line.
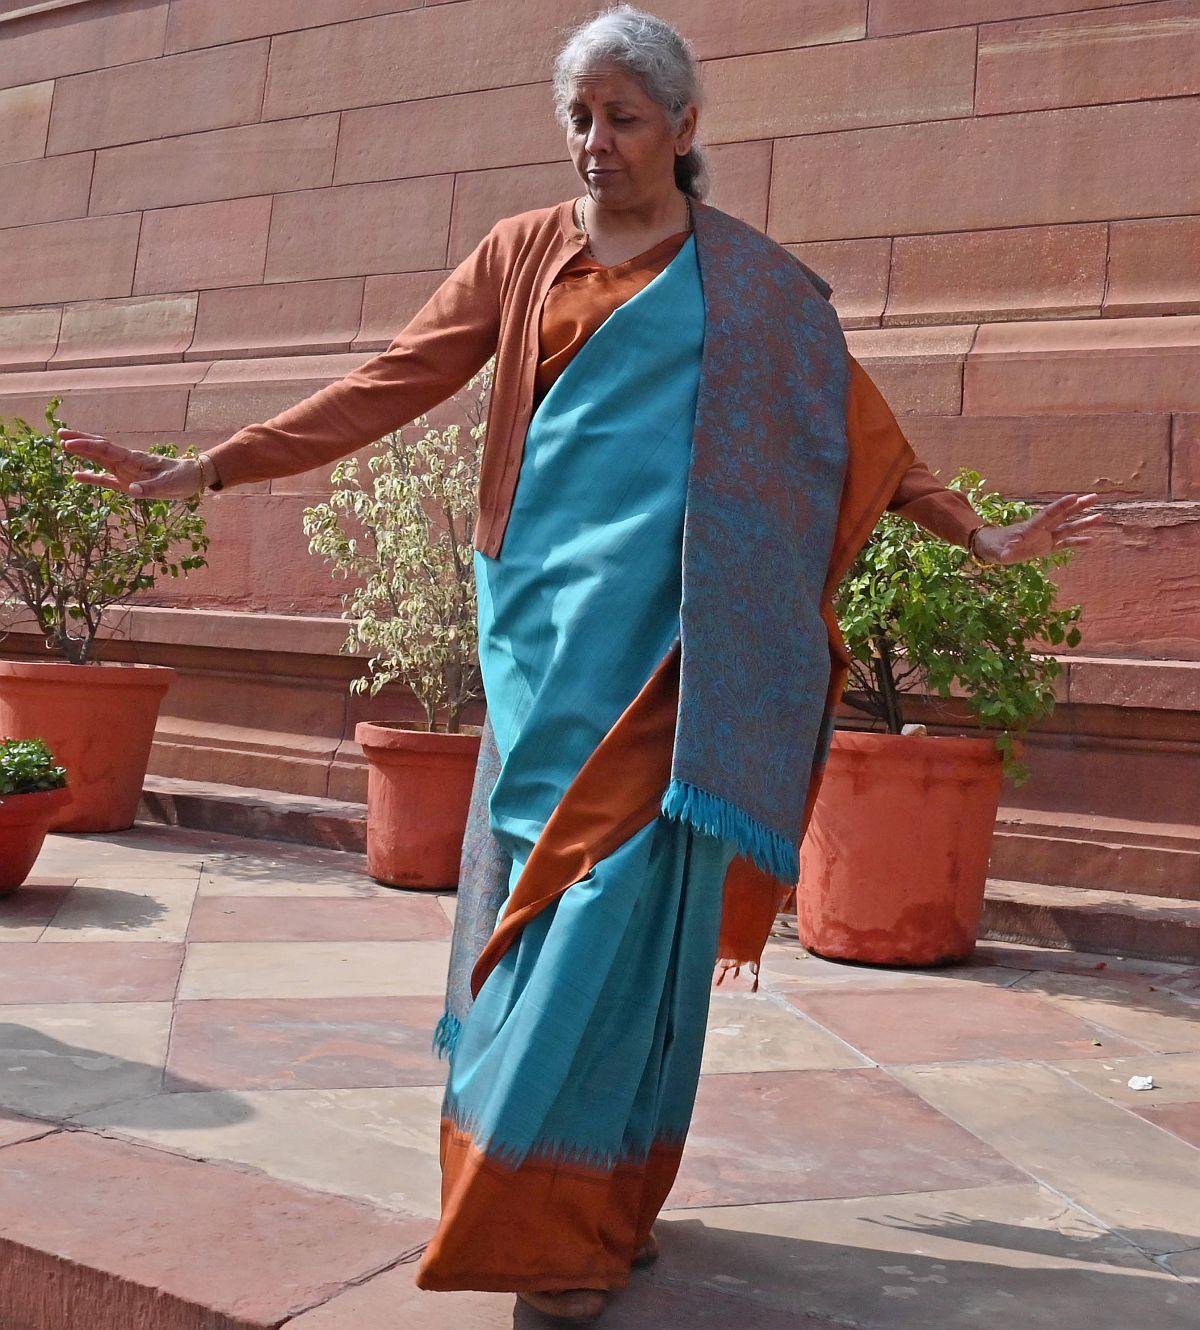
(606,82)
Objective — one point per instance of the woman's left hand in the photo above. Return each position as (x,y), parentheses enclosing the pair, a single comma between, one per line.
(1057,525)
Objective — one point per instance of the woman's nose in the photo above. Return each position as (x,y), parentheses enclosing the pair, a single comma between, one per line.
(598,139)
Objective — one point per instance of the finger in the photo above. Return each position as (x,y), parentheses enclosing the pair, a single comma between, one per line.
(65,434)
(1074,523)
(1073,540)
(95,449)
(1064,506)
(1055,508)
(102,479)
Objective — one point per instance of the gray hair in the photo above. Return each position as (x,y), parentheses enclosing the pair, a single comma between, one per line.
(657,55)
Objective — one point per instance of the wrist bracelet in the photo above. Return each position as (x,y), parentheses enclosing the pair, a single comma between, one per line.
(209,475)
(982,563)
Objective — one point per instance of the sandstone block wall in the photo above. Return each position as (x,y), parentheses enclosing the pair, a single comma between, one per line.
(209,209)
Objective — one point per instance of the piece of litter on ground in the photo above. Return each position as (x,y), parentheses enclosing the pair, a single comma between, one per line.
(1097,1043)
(1141,1083)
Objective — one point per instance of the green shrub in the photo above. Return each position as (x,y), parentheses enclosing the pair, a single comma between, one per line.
(917,613)
(70,550)
(405,534)
(27,766)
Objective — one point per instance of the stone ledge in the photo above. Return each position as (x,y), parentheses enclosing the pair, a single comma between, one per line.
(102,1232)
(40,7)
(236,810)
(1080,919)
(1168,685)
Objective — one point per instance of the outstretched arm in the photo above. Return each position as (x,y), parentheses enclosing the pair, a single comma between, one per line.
(432,357)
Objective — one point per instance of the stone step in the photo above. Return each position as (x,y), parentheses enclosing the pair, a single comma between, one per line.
(104,1233)
(1095,826)
(1085,919)
(1103,853)
(236,810)
(1100,853)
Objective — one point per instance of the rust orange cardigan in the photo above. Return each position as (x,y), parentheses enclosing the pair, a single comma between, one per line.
(492,303)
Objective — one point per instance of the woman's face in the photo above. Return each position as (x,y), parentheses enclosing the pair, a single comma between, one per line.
(620,140)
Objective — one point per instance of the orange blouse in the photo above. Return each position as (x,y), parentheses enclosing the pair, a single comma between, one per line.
(586,292)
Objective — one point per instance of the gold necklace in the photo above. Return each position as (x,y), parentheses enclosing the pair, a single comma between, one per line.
(581,222)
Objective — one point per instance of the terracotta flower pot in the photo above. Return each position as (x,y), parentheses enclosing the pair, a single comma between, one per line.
(894,863)
(98,721)
(24,821)
(418,792)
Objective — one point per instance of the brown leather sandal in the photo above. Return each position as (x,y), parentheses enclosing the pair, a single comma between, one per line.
(575,1304)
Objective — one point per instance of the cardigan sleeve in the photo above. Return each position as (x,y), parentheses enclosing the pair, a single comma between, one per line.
(945,512)
(447,341)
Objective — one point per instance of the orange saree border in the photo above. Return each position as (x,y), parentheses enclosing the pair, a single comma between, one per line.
(584,1223)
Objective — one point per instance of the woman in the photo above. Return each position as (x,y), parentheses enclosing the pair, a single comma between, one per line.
(681,463)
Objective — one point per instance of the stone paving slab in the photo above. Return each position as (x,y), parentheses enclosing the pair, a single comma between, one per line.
(873,1146)
(391,1300)
(140,852)
(378,1145)
(1009,1254)
(393,918)
(16,1127)
(24,916)
(1162,1017)
(1140,1181)
(919,1025)
(787,965)
(787,1136)
(57,1059)
(756,1033)
(304,1043)
(108,910)
(89,971)
(1101,964)
(1183,1120)
(293,884)
(1176,1078)
(1186,1264)
(313,969)
(94,1230)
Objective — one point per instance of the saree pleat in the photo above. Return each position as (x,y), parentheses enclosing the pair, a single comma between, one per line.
(573,1078)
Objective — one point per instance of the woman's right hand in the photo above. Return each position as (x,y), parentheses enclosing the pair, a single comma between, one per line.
(144,475)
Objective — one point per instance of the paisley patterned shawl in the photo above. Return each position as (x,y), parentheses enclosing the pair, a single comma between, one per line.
(768,461)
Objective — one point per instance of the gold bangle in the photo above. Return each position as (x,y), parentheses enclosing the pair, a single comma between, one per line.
(981,563)
(209,476)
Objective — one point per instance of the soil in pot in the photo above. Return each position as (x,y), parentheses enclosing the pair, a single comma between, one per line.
(98,720)
(894,863)
(24,821)
(418,793)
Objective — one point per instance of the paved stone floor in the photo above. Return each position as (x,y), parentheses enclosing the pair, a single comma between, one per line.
(216,1091)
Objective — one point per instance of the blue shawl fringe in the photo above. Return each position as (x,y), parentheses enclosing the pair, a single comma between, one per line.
(714,816)
(445,1036)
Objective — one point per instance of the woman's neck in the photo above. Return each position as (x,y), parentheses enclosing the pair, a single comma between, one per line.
(617,234)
